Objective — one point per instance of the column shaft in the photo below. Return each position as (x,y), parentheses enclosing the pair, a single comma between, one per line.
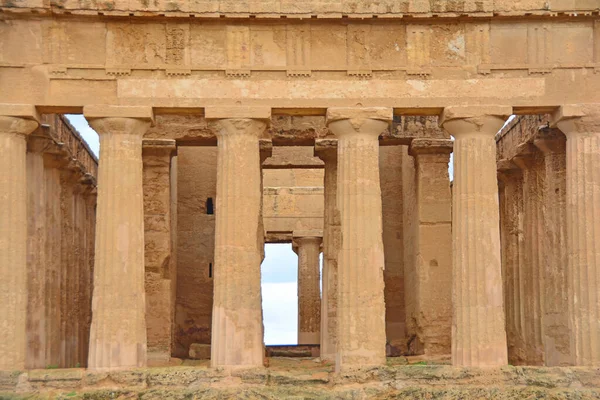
(361,307)
(555,321)
(581,125)
(118,331)
(513,262)
(478,331)
(328,339)
(237,330)
(532,167)
(583,224)
(156,155)
(434,245)
(13,240)
(309,293)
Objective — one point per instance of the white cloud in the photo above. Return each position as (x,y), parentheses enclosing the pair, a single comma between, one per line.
(280,312)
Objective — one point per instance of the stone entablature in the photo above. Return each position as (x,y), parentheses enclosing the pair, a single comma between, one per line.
(299,66)
(306,9)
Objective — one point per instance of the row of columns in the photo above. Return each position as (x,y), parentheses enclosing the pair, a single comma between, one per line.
(118,332)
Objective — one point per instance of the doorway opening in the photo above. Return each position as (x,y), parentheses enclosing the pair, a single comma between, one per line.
(279,283)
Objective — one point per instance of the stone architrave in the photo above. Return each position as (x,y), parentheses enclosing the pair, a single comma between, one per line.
(433,244)
(118,332)
(307,244)
(555,315)
(581,125)
(478,328)
(326,150)
(16,122)
(237,328)
(361,306)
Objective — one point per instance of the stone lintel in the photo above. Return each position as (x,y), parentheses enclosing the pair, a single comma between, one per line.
(341,113)
(430,146)
(26,111)
(95,111)
(238,112)
(465,112)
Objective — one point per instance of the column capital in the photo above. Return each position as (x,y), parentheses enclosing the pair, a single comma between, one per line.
(348,120)
(507,170)
(238,126)
(527,155)
(166,147)
(265,147)
(474,120)
(326,149)
(577,118)
(551,143)
(119,119)
(301,237)
(20,119)
(430,146)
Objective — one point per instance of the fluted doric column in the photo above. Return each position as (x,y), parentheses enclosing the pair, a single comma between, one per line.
(581,125)
(308,247)
(478,331)
(513,259)
(237,328)
(555,314)
(433,243)
(530,161)
(16,122)
(157,155)
(361,307)
(326,150)
(118,331)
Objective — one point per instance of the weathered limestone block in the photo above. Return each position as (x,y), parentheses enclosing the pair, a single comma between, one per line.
(555,315)
(307,245)
(326,150)
(513,254)
(478,327)
(199,351)
(118,333)
(237,329)
(361,307)
(532,165)
(581,125)
(16,121)
(433,313)
(156,155)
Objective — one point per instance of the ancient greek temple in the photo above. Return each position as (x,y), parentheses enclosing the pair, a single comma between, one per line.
(227,125)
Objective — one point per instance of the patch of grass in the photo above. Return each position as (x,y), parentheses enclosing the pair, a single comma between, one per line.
(51,366)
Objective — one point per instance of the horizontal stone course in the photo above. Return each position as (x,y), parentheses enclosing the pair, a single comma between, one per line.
(306,378)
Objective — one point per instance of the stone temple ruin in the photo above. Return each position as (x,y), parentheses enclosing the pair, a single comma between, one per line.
(225,125)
